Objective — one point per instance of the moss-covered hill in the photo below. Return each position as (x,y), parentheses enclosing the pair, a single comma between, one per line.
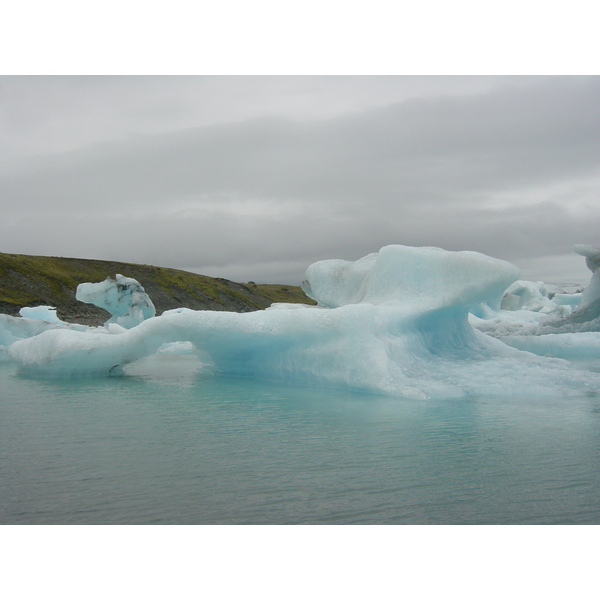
(44,280)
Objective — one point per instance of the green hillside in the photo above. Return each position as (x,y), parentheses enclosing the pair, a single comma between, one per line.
(44,280)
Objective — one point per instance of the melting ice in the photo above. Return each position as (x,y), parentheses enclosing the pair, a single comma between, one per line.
(397,322)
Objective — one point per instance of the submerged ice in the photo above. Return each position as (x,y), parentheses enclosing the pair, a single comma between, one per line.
(394,322)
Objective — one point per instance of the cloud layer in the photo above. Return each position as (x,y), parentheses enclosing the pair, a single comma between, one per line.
(279,172)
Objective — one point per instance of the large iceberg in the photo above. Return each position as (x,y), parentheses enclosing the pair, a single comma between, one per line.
(394,322)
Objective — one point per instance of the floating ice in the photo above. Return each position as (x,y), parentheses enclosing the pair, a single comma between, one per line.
(574,336)
(571,300)
(396,322)
(533,296)
(526,305)
(586,316)
(123,297)
(37,319)
(592,256)
(14,329)
(42,313)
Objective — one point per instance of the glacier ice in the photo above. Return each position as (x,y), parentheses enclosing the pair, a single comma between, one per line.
(123,297)
(410,277)
(572,313)
(42,313)
(586,316)
(582,346)
(14,329)
(394,322)
(592,256)
(570,331)
(533,296)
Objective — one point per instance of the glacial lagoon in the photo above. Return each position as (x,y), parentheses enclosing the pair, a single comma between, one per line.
(428,387)
(170,444)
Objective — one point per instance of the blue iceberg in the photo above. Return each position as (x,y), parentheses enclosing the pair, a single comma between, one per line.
(394,322)
(123,297)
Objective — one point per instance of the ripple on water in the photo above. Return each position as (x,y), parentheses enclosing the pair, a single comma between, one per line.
(171,442)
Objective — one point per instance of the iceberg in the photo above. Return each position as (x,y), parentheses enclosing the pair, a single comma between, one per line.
(570,330)
(394,322)
(123,297)
(533,296)
(14,329)
(558,313)
(586,316)
(41,313)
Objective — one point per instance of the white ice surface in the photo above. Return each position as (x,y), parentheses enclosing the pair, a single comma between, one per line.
(396,323)
(124,296)
(14,329)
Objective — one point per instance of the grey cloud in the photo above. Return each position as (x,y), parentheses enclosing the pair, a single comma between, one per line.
(220,240)
(426,148)
(446,170)
(51,114)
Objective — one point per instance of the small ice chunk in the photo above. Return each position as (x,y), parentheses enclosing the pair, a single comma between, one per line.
(123,297)
(42,313)
(572,300)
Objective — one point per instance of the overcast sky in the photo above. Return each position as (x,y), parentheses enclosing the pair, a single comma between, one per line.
(254,178)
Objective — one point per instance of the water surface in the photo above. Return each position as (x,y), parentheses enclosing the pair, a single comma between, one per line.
(170,444)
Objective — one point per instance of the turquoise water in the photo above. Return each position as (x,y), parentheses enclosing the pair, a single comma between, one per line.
(170,444)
